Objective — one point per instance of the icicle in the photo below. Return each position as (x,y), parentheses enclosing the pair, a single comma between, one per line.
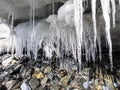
(93,3)
(78,14)
(99,47)
(53,6)
(12,37)
(13,33)
(106,16)
(113,11)
(32,20)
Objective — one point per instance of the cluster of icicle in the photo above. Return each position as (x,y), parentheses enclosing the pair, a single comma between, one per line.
(69,31)
(105,4)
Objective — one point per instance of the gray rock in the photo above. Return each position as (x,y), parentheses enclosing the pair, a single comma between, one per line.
(34,83)
(47,69)
(50,75)
(44,81)
(25,86)
(17,89)
(39,88)
(10,84)
(7,61)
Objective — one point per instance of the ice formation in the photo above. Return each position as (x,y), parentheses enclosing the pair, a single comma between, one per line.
(78,18)
(113,11)
(12,37)
(68,32)
(93,2)
(4,35)
(105,9)
(53,6)
(66,13)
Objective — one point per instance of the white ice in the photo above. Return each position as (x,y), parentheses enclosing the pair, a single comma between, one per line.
(4,35)
(106,16)
(70,27)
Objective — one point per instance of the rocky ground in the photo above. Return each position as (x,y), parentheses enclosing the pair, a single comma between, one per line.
(26,74)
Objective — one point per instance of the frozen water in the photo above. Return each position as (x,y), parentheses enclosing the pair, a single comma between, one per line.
(113,11)
(4,35)
(78,18)
(53,6)
(93,3)
(66,12)
(69,31)
(104,4)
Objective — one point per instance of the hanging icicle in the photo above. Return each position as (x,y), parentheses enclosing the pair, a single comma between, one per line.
(106,16)
(78,19)
(12,36)
(113,11)
(53,6)
(32,22)
(93,3)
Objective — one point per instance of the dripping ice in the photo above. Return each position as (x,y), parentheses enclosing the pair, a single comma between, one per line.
(70,27)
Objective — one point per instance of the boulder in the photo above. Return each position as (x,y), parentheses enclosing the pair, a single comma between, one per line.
(34,83)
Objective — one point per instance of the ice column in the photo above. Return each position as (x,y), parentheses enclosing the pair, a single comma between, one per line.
(113,11)
(78,19)
(105,9)
(93,2)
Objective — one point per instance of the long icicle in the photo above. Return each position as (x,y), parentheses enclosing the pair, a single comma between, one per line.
(78,14)
(106,16)
(93,3)
(53,6)
(113,11)
(32,21)
(12,30)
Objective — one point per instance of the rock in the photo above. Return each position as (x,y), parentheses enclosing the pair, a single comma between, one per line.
(47,69)
(29,73)
(25,59)
(7,61)
(25,86)
(82,80)
(17,85)
(50,75)
(26,72)
(74,84)
(37,69)
(14,62)
(47,87)
(106,88)
(39,88)
(34,83)
(98,87)
(44,81)
(64,80)
(38,75)
(86,85)
(9,84)
(17,89)
(12,69)
(63,72)
(55,79)
(55,87)
(2,87)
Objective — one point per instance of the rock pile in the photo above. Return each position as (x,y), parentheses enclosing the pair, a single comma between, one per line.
(26,74)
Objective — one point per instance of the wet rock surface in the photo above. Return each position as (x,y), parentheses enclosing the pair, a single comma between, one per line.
(26,74)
